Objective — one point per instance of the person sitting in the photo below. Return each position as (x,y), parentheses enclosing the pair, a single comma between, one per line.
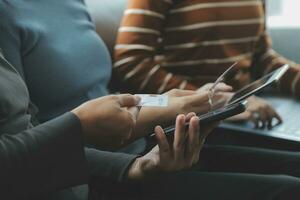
(184,44)
(37,162)
(65,68)
(62,69)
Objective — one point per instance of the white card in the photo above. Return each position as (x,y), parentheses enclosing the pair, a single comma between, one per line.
(152,100)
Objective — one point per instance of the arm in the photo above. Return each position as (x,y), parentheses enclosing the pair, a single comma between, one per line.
(104,165)
(180,102)
(266,60)
(43,159)
(50,157)
(137,48)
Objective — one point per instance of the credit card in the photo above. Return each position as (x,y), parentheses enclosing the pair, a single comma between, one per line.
(153,100)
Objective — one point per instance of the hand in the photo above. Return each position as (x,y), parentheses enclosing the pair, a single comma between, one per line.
(220,87)
(186,101)
(222,93)
(165,157)
(180,102)
(108,121)
(259,112)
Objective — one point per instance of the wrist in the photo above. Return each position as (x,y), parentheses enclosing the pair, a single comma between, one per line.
(141,169)
(135,171)
(77,112)
(81,118)
(150,117)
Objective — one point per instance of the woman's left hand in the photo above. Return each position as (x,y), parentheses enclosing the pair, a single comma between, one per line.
(259,112)
(182,153)
(185,101)
(221,94)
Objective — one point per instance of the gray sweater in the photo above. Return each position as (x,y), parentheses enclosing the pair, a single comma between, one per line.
(36,162)
(53,44)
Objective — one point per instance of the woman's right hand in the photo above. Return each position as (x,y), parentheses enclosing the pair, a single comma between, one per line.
(108,121)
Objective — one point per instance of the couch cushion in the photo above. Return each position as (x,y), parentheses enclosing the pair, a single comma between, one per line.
(107,15)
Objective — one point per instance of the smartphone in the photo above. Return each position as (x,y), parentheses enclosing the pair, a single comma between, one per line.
(213,116)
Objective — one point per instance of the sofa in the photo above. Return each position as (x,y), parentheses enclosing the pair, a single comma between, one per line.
(107,15)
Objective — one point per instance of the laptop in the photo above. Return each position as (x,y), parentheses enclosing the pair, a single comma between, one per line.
(289,110)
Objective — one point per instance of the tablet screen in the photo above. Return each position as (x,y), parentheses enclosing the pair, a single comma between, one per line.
(257,85)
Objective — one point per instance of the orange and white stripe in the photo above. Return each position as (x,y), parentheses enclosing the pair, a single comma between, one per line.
(193,35)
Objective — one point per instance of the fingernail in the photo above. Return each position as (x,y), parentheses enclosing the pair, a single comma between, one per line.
(181,117)
(137,99)
(196,118)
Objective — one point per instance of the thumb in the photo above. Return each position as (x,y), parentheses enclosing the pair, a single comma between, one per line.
(222,87)
(128,100)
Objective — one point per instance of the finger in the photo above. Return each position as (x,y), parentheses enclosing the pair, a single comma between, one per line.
(193,141)
(128,100)
(270,115)
(189,116)
(199,101)
(222,87)
(164,148)
(134,111)
(254,118)
(256,123)
(273,114)
(270,123)
(179,138)
(196,157)
(204,132)
(205,87)
(278,117)
(263,118)
(221,98)
(199,148)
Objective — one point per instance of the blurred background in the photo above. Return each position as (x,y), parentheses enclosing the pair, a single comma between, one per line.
(283,22)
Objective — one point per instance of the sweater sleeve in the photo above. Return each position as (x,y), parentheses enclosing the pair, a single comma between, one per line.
(50,156)
(266,59)
(43,159)
(105,165)
(137,48)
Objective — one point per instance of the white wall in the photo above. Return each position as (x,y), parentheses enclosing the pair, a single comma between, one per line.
(284,27)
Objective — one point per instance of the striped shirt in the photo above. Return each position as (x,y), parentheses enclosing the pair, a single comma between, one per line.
(165,44)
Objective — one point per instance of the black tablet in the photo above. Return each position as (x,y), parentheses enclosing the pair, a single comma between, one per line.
(259,84)
(213,116)
(237,104)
